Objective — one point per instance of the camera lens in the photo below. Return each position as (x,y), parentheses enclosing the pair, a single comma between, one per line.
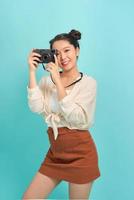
(45,57)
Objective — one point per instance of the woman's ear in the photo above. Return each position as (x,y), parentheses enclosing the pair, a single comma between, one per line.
(77,51)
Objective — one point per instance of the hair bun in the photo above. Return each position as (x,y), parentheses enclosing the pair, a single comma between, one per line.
(75,34)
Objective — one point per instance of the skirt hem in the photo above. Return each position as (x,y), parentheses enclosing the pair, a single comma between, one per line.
(65,177)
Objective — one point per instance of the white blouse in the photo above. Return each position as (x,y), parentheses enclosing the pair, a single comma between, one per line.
(75,111)
(54,104)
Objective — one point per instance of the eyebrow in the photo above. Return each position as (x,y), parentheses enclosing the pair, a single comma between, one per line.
(64,48)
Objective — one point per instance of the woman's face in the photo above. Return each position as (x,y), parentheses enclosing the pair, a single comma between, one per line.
(67,54)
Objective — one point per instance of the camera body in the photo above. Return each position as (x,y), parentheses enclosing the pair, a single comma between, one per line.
(47,55)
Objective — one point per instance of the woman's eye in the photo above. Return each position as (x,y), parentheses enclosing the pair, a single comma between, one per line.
(66,50)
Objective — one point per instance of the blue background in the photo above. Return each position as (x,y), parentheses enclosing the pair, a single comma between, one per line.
(107,54)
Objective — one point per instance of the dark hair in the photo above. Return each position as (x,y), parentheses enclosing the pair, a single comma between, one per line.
(72,37)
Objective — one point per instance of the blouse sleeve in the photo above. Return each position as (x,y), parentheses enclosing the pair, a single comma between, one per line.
(35,96)
(80,111)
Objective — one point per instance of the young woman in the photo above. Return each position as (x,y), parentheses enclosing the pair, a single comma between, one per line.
(67,100)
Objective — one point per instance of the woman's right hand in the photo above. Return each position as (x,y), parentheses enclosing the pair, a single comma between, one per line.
(33,61)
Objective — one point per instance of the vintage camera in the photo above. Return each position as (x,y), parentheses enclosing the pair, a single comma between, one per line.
(47,55)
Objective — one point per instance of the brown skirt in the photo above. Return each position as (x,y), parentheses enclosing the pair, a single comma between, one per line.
(71,157)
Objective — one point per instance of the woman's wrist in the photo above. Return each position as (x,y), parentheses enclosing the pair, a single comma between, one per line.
(32,79)
(32,71)
(58,83)
(60,90)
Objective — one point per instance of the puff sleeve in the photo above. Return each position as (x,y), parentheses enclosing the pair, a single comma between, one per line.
(36,101)
(79,111)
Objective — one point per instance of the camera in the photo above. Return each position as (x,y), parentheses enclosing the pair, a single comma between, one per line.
(47,55)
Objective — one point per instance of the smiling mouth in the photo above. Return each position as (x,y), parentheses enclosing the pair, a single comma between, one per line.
(65,63)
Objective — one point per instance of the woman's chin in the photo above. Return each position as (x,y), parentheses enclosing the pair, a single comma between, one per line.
(66,68)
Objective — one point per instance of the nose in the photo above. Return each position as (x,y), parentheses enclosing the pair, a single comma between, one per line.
(62,56)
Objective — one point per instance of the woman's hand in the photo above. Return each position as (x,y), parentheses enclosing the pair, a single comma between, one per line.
(53,68)
(33,61)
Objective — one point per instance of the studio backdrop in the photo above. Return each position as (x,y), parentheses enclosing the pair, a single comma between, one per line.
(106,53)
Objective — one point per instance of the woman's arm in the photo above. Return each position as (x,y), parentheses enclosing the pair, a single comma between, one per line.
(35,96)
(33,60)
(60,90)
(79,111)
(32,79)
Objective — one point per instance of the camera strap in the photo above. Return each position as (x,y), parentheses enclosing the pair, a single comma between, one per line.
(73,82)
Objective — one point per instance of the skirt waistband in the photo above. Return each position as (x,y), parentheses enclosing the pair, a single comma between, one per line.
(64,130)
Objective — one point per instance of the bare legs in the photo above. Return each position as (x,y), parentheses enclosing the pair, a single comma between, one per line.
(79,191)
(40,187)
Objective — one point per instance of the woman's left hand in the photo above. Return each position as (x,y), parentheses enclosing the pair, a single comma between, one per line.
(53,68)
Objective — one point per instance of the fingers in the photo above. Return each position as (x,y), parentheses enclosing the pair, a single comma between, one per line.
(48,68)
(56,60)
(35,64)
(33,60)
(32,54)
(34,57)
(35,54)
(51,64)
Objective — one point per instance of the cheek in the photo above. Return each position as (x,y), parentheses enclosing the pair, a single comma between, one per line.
(72,55)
